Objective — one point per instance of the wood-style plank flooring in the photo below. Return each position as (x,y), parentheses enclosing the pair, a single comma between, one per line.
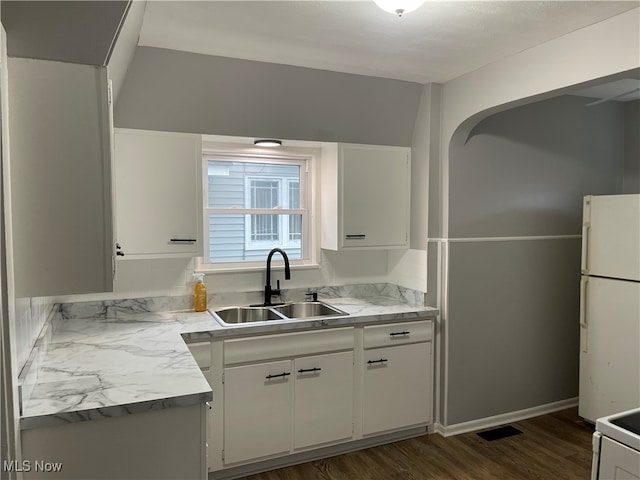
(552,447)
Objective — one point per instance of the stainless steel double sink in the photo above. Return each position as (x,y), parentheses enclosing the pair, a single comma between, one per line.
(286,311)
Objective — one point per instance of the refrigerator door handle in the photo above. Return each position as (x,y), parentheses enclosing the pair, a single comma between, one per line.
(583,314)
(586,223)
(584,264)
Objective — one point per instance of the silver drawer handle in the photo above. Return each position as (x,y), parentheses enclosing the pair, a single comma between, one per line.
(355,237)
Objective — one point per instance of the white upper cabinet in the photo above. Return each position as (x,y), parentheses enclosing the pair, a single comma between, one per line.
(365,197)
(158,194)
(60,178)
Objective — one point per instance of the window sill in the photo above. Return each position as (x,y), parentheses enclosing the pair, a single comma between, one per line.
(253,268)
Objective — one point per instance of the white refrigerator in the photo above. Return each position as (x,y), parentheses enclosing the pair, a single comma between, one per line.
(610,306)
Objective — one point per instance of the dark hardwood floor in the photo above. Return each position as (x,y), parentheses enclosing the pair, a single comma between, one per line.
(552,447)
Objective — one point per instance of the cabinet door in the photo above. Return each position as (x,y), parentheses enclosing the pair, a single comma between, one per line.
(323,408)
(158,193)
(60,182)
(396,387)
(257,411)
(375,183)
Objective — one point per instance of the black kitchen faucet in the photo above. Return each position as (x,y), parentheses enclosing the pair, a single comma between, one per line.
(268,292)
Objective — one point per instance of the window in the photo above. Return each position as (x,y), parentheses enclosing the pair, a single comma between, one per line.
(262,230)
(254,204)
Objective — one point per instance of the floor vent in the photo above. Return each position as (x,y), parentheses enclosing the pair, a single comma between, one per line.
(498,433)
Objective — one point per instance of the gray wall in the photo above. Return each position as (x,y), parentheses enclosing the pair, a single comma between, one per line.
(512,325)
(188,92)
(525,171)
(631,147)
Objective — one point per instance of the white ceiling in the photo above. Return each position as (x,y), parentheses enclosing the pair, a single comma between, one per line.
(436,43)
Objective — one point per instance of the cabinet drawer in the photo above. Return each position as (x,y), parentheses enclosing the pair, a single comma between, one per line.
(243,350)
(397,334)
(202,353)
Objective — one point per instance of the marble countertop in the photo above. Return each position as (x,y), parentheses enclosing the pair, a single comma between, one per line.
(92,368)
(360,311)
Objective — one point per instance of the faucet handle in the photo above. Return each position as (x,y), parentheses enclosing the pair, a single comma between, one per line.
(314,295)
(275,291)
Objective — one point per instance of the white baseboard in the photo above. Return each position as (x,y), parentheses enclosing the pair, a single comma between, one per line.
(494,421)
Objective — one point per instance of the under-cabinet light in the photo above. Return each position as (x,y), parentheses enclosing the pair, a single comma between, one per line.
(267,143)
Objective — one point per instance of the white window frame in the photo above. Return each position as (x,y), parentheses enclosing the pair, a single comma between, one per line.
(305,158)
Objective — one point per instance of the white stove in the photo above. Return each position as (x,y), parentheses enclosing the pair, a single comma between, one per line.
(616,447)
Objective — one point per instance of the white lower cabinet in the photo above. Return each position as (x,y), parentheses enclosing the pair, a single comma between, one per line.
(396,387)
(263,403)
(397,376)
(323,405)
(257,411)
(276,395)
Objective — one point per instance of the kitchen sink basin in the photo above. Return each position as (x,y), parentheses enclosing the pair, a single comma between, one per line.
(287,311)
(308,310)
(246,314)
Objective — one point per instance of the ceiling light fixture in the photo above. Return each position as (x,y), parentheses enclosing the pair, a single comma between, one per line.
(399,7)
(267,143)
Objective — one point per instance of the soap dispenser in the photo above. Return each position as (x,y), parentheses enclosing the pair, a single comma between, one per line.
(199,293)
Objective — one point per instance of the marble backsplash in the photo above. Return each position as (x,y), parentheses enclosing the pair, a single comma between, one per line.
(31,314)
(34,317)
(115,308)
